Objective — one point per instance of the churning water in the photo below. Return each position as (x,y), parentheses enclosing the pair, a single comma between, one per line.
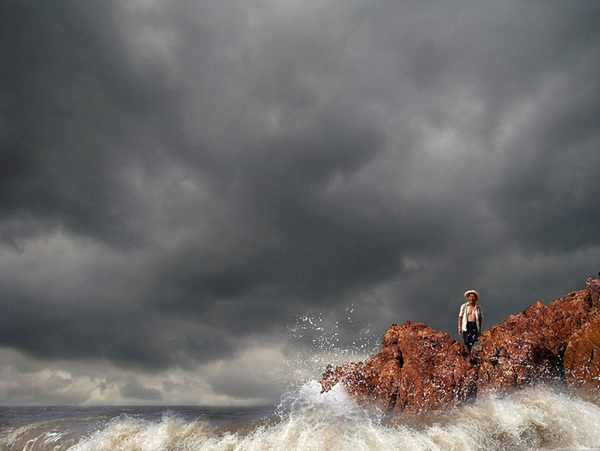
(533,419)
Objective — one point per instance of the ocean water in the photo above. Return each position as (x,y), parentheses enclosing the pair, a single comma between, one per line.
(533,419)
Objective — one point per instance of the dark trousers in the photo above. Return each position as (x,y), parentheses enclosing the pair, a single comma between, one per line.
(470,335)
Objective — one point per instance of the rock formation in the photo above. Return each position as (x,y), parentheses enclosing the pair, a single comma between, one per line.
(582,356)
(419,369)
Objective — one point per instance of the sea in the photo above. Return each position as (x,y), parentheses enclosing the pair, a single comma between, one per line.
(305,419)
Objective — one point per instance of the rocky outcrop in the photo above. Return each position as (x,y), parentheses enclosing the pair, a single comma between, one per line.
(582,362)
(419,369)
(582,356)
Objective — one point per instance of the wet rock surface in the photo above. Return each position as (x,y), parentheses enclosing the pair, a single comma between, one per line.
(582,356)
(419,369)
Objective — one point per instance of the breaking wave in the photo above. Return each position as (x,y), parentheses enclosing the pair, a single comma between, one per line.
(533,419)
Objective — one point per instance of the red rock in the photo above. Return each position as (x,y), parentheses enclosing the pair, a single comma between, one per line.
(582,356)
(419,369)
(593,286)
(521,351)
(568,314)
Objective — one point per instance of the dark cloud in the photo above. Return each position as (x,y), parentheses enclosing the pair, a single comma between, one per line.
(128,337)
(550,199)
(134,389)
(180,179)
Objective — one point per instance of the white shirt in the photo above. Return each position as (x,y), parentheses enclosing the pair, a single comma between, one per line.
(464,309)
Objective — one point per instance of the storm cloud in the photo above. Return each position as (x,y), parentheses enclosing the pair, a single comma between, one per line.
(193,189)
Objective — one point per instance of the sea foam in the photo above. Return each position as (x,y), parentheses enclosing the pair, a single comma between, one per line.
(533,419)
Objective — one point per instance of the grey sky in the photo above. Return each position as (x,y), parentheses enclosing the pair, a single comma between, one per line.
(204,201)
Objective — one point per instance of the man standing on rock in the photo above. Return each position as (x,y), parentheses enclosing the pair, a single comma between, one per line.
(469,320)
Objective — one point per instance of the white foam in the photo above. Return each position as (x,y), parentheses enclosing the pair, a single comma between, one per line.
(529,420)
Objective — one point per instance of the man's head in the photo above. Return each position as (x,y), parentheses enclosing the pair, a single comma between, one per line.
(472,295)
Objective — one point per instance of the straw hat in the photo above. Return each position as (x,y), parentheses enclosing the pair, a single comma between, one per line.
(468,292)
